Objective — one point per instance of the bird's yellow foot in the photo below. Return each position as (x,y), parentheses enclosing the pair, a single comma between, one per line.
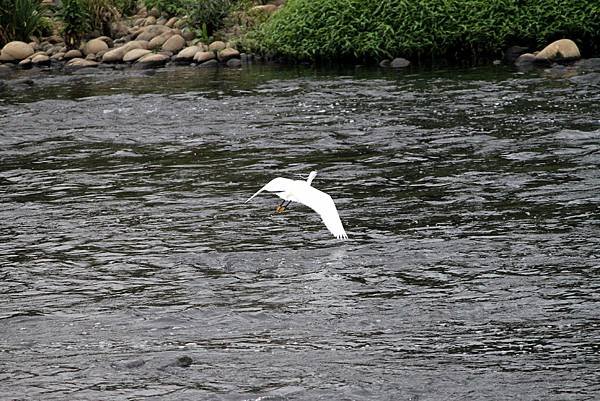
(280,209)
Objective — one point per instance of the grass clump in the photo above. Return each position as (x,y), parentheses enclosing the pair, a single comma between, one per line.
(20,19)
(359,29)
(208,14)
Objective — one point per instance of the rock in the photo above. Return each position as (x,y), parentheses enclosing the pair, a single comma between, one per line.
(25,63)
(152,60)
(15,51)
(159,40)
(171,22)
(54,39)
(133,55)
(53,50)
(266,9)
(217,46)
(91,56)
(210,64)
(525,59)
(73,54)
(154,12)
(174,44)
(384,63)
(201,56)
(151,20)
(561,50)
(40,59)
(161,21)
(399,62)
(118,30)
(188,34)
(183,361)
(149,32)
(512,53)
(109,42)
(94,46)
(187,54)
(58,56)
(234,63)
(117,54)
(180,23)
(77,63)
(228,53)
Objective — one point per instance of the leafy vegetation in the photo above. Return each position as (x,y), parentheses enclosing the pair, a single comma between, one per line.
(19,19)
(207,15)
(80,17)
(358,29)
(76,21)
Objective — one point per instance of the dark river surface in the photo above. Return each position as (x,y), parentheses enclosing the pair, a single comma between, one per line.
(131,268)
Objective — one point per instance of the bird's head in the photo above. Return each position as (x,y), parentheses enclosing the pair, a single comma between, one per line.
(311,177)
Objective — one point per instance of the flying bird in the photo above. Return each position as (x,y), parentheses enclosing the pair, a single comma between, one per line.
(302,192)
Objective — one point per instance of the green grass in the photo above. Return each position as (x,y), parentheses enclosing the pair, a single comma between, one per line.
(19,19)
(451,29)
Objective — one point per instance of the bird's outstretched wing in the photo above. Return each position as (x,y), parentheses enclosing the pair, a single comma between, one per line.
(278,185)
(321,203)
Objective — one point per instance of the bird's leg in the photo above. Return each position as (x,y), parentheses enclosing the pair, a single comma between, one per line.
(282,206)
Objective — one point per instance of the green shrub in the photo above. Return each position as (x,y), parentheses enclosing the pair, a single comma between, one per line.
(125,7)
(76,21)
(202,13)
(19,19)
(359,29)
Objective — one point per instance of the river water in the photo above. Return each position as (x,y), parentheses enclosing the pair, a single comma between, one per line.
(132,269)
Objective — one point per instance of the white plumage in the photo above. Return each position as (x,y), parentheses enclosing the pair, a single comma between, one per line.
(302,192)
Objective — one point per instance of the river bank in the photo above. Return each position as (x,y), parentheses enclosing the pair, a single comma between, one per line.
(154,38)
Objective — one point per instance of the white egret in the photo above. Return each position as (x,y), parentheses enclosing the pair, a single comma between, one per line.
(302,192)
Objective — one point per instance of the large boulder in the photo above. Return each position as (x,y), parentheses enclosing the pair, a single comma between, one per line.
(561,50)
(16,51)
(174,44)
(133,55)
(94,46)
